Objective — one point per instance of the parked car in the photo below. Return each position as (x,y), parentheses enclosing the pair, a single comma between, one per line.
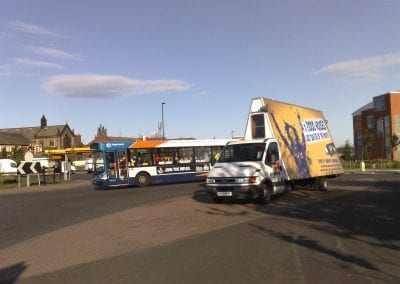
(8,167)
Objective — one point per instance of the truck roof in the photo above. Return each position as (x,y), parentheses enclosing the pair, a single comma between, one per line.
(277,101)
(248,141)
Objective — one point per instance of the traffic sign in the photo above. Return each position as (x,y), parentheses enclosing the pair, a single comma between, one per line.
(25,168)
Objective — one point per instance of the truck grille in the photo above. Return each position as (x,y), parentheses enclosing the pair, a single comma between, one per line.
(225,180)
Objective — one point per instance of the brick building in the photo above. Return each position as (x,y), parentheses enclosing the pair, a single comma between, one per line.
(374,126)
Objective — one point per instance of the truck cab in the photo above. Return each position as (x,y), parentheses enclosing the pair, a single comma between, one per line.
(248,169)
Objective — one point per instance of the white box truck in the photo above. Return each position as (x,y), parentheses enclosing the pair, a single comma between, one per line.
(285,145)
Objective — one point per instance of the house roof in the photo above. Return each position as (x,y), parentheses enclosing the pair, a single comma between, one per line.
(13,139)
(105,138)
(51,131)
(27,132)
(37,131)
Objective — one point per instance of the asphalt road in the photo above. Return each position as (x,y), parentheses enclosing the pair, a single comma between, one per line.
(176,234)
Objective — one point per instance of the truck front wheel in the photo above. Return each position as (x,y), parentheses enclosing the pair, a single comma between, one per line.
(265,194)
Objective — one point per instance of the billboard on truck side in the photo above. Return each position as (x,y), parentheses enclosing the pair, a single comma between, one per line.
(304,139)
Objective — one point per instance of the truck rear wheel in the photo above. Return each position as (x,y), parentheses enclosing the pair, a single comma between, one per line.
(322,184)
(265,194)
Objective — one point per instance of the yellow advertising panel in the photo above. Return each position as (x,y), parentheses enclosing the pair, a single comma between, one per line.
(305,141)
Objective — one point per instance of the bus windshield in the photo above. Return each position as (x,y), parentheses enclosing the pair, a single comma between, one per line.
(98,161)
(242,153)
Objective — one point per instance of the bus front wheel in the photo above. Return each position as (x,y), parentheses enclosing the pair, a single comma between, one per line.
(142,180)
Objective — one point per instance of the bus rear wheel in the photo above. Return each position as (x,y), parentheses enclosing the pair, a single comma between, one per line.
(142,179)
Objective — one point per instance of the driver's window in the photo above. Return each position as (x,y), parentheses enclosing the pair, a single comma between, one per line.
(272,153)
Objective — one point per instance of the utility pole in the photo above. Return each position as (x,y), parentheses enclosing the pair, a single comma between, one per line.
(162,120)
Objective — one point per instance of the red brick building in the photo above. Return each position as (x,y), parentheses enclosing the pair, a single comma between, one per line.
(374,126)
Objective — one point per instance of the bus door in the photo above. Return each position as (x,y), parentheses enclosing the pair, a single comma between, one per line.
(116,167)
(110,166)
(122,167)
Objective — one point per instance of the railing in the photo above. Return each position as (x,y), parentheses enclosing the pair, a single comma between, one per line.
(48,175)
(372,165)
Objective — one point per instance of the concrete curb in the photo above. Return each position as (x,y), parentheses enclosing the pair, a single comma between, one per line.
(372,172)
(48,187)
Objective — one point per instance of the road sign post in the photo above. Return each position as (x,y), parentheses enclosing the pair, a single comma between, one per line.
(28,168)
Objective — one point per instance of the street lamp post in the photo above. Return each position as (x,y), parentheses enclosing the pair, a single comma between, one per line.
(162,120)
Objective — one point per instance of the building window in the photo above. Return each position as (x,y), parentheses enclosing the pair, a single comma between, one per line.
(67,141)
(370,121)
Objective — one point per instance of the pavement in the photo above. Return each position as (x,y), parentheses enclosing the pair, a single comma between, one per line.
(372,171)
(48,187)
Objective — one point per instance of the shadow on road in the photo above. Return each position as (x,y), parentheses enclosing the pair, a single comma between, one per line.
(12,273)
(358,209)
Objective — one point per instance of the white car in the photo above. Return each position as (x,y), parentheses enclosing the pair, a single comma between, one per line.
(8,167)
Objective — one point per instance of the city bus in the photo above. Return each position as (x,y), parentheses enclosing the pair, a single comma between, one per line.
(142,163)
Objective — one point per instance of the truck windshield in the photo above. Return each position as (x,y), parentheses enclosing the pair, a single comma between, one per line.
(242,153)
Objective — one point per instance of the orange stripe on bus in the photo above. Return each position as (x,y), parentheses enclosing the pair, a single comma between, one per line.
(146,144)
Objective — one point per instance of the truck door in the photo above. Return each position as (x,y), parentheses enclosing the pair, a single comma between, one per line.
(273,166)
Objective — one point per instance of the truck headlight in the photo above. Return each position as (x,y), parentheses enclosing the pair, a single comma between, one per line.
(210,180)
(252,179)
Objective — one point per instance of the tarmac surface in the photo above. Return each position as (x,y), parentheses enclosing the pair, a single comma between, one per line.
(349,234)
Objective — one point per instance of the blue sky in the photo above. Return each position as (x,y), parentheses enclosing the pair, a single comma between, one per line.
(114,62)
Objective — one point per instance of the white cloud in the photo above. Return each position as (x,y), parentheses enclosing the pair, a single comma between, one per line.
(108,86)
(36,63)
(31,29)
(374,68)
(54,53)
(25,66)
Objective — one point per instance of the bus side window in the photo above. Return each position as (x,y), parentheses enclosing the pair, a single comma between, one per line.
(185,155)
(132,157)
(215,153)
(167,156)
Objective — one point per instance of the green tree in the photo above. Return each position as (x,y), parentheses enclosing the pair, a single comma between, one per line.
(17,154)
(101,130)
(346,154)
(3,154)
(395,142)
(368,141)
